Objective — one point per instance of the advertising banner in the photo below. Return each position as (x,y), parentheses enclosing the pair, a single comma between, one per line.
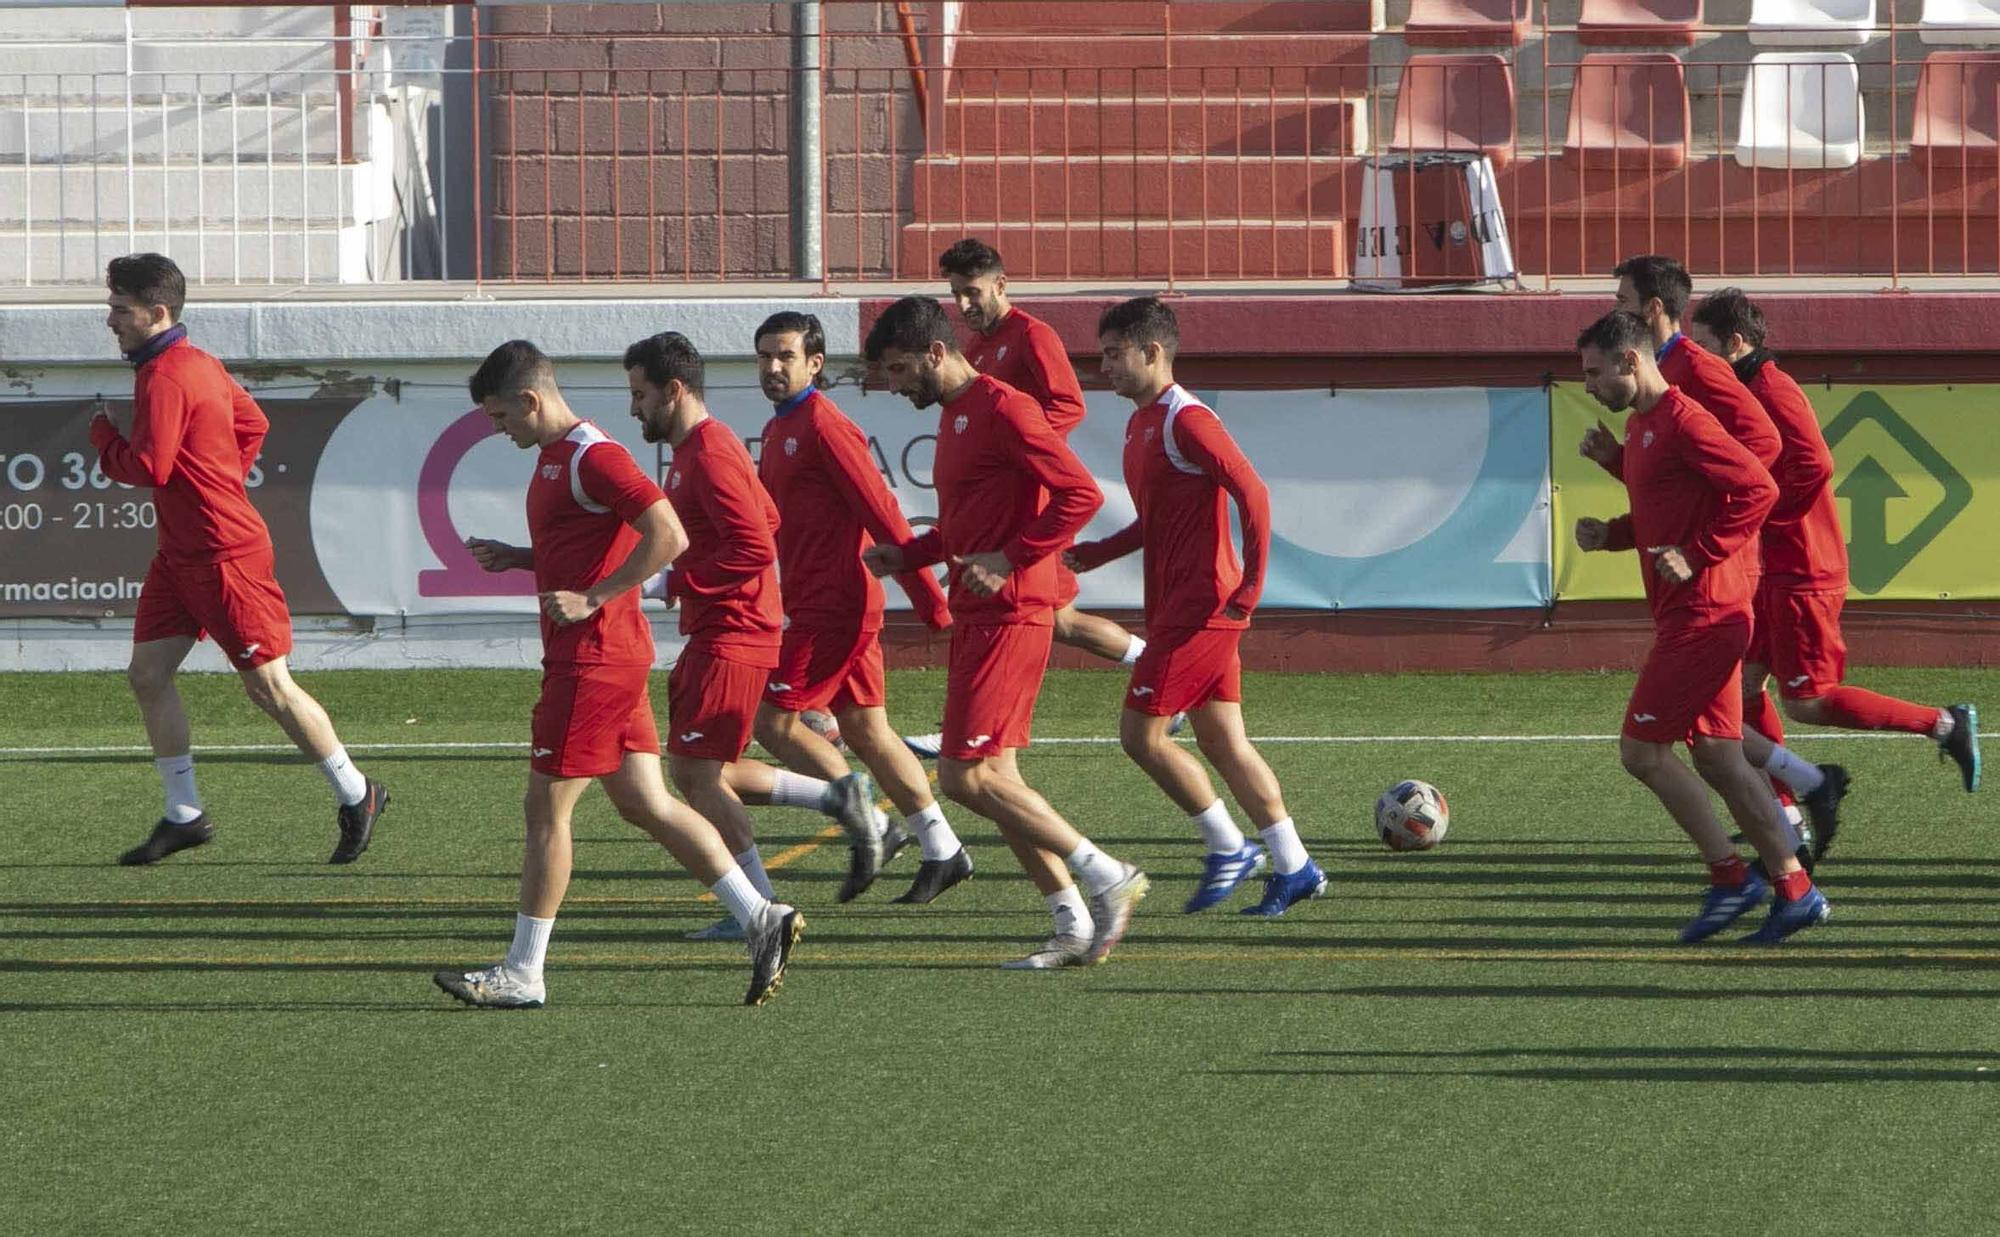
(1916,472)
(371,483)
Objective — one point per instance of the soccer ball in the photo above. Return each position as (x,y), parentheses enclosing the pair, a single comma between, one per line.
(823,725)
(1412,815)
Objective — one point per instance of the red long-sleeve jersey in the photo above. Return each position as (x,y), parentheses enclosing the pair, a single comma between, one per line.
(1711,382)
(1179,464)
(832,504)
(582,500)
(727,578)
(1694,485)
(1803,542)
(195,434)
(1026,353)
(1007,482)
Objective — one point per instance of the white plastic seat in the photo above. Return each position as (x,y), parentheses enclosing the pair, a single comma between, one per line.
(1800,110)
(1961,23)
(1811,23)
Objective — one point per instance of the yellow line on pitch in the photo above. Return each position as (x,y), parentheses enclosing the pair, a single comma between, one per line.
(792,853)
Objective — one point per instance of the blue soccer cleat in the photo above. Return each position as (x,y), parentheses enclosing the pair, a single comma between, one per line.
(1221,874)
(1280,892)
(1723,905)
(1790,916)
(1961,746)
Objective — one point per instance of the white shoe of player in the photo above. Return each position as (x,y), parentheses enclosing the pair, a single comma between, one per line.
(496,987)
(1057,952)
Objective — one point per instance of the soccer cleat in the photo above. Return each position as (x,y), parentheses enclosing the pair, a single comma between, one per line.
(1962,744)
(925,746)
(778,929)
(1824,805)
(1112,910)
(1176,724)
(1723,905)
(1056,953)
(1221,874)
(1282,892)
(1789,916)
(854,808)
(357,823)
(496,987)
(895,838)
(934,876)
(168,837)
(723,929)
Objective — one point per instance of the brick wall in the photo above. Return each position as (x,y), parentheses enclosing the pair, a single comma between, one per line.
(653,141)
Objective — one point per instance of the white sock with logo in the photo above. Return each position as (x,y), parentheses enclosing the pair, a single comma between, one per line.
(1133,650)
(1802,776)
(348,785)
(934,833)
(177,779)
(752,864)
(1288,854)
(1071,915)
(1220,832)
(1097,870)
(531,946)
(789,789)
(742,898)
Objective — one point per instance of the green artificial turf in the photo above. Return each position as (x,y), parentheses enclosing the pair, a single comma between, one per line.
(1500,1036)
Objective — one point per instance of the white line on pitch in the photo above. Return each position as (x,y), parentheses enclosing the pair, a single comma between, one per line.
(1069,741)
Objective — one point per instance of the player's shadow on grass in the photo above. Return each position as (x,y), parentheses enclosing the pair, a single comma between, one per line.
(1562,992)
(1724,1064)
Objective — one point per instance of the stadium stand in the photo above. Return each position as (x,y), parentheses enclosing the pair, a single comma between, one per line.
(1801,110)
(1629,110)
(1466,23)
(1650,23)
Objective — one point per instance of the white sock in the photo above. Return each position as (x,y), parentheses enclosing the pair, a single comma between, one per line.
(1941,729)
(348,785)
(531,946)
(1789,817)
(742,898)
(752,864)
(797,790)
(1220,832)
(1132,651)
(1802,776)
(1288,854)
(934,832)
(1071,915)
(1097,870)
(177,778)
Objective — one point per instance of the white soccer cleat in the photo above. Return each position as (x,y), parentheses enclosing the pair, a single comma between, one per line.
(1056,953)
(1112,911)
(723,929)
(496,987)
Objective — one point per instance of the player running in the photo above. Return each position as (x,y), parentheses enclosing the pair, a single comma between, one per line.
(1025,353)
(726,584)
(1805,586)
(193,435)
(1698,496)
(832,504)
(597,526)
(1010,497)
(1180,463)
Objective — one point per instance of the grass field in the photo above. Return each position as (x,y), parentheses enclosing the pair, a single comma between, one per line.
(1497,1037)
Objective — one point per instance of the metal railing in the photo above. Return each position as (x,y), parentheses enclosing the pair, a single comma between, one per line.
(543,145)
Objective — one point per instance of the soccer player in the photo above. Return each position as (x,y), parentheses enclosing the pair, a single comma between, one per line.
(1805,585)
(726,584)
(1181,465)
(193,435)
(1025,353)
(597,526)
(832,504)
(1010,497)
(1698,496)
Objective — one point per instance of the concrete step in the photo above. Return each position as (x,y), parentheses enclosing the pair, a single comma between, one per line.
(1305,16)
(178,129)
(1138,65)
(179,193)
(1146,249)
(1250,123)
(1019,188)
(172,62)
(318,255)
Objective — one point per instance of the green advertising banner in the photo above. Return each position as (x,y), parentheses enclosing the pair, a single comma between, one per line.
(1916,469)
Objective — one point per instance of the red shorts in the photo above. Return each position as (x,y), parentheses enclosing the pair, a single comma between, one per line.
(1185,667)
(1068,588)
(827,669)
(711,704)
(1798,638)
(1691,684)
(989,695)
(236,601)
(589,717)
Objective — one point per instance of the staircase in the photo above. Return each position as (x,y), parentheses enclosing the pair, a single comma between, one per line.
(1085,143)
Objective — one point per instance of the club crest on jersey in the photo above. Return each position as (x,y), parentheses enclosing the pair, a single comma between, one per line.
(1000,355)
(552,471)
(1647,440)
(1149,432)
(791,446)
(674,479)
(958,423)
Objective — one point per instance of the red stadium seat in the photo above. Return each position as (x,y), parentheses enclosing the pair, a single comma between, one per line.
(1462,102)
(1661,23)
(1466,23)
(1629,110)
(1957,120)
